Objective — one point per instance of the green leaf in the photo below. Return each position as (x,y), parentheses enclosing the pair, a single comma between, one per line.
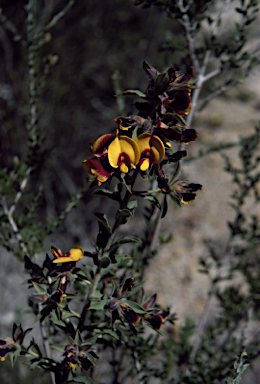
(176,173)
(134,134)
(153,200)
(125,214)
(132,205)
(125,240)
(55,318)
(111,333)
(98,304)
(78,338)
(134,92)
(128,186)
(174,198)
(122,258)
(91,358)
(67,314)
(136,307)
(160,332)
(136,288)
(60,348)
(165,207)
(82,379)
(178,117)
(39,288)
(104,230)
(107,193)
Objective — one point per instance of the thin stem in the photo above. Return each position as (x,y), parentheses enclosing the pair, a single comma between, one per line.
(46,346)
(13,224)
(106,251)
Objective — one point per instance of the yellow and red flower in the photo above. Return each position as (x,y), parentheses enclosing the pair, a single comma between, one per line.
(124,153)
(151,148)
(110,153)
(94,167)
(6,347)
(100,146)
(75,254)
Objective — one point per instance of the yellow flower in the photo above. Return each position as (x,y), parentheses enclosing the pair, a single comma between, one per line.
(94,167)
(123,152)
(151,148)
(6,347)
(75,254)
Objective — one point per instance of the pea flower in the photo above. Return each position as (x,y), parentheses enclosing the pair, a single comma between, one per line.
(176,102)
(100,146)
(117,303)
(124,153)
(6,347)
(185,192)
(132,121)
(9,345)
(177,132)
(94,167)
(151,148)
(78,355)
(110,153)
(154,317)
(75,254)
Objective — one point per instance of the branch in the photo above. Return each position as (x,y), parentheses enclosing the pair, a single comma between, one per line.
(223,88)
(185,21)
(22,188)
(46,346)
(58,16)
(13,224)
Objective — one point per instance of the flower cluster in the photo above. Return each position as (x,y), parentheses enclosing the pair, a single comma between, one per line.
(143,142)
(78,355)
(132,312)
(9,345)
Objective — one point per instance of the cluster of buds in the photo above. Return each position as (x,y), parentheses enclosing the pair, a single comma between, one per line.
(143,142)
(78,355)
(57,274)
(132,312)
(9,345)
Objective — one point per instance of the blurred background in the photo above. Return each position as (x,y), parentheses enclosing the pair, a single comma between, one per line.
(97,49)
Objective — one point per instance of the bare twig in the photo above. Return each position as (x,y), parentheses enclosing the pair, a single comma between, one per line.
(13,224)
(46,346)
(58,16)
(185,21)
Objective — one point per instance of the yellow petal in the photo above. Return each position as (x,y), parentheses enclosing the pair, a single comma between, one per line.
(94,167)
(101,144)
(124,168)
(123,150)
(75,254)
(145,165)
(63,260)
(148,142)
(56,252)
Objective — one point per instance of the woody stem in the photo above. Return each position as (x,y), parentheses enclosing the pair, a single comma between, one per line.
(117,223)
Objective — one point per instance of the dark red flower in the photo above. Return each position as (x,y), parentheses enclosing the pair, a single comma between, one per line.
(185,192)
